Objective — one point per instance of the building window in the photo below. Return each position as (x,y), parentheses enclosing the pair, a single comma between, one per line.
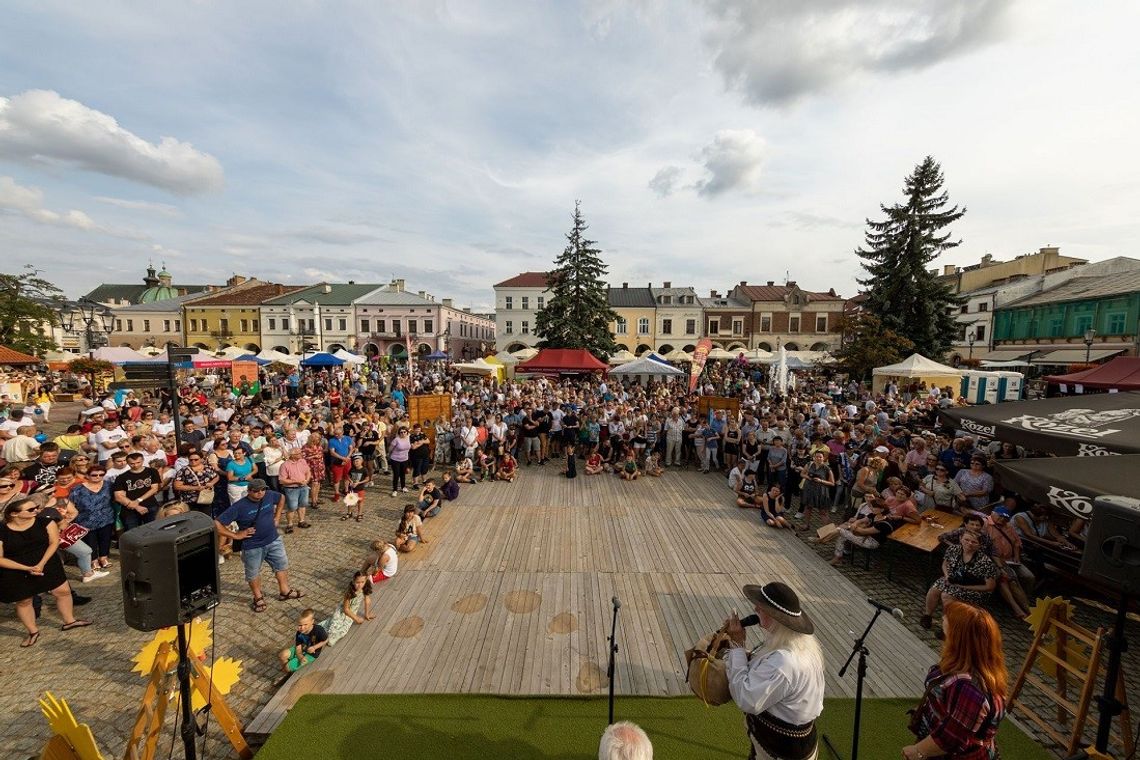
(328,324)
(166,325)
(794,324)
(1056,327)
(643,326)
(738,327)
(983,307)
(667,327)
(146,325)
(223,325)
(1084,322)
(766,323)
(1116,324)
(254,326)
(980,333)
(821,324)
(714,326)
(622,326)
(964,308)
(690,327)
(510,328)
(205,324)
(526,327)
(365,325)
(509,302)
(541,302)
(412,324)
(272,323)
(130,325)
(244,325)
(427,326)
(178,325)
(526,302)
(396,327)
(380,327)
(193,325)
(462,329)
(118,325)
(342,325)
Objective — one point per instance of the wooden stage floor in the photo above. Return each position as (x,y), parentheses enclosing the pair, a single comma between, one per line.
(512,595)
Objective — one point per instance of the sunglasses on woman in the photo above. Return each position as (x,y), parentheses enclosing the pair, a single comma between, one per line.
(96,474)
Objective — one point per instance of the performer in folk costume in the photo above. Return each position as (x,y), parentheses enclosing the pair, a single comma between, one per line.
(779,685)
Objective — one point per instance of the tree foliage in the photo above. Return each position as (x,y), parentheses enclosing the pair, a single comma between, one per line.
(868,344)
(578,313)
(901,290)
(87,366)
(29,307)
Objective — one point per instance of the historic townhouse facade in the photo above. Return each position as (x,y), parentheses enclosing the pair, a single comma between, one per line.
(798,319)
(636,311)
(517,303)
(727,321)
(316,318)
(389,318)
(679,318)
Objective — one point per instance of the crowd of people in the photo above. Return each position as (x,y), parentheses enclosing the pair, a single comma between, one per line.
(338,438)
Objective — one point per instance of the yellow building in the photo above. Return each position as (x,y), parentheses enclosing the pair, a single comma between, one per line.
(635,328)
(231,317)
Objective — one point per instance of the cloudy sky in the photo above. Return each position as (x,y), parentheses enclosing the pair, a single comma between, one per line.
(709,141)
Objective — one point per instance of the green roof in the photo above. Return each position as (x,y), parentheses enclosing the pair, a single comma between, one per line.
(132,293)
(328,294)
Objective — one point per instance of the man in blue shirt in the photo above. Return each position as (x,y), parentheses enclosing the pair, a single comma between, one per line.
(341,449)
(256,516)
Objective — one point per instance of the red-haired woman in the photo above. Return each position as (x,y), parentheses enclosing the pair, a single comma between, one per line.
(965,692)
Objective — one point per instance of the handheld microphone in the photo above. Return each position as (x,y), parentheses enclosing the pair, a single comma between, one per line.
(617,603)
(894,612)
(750,620)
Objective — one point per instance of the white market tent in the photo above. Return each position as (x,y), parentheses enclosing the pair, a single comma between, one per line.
(679,355)
(622,357)
(119,355)
(507,358)
(759,356)
(720,353)
(277,356)
(525,354)
(349,357)
(230,352)
(917,367)
(646,367)
(477,367)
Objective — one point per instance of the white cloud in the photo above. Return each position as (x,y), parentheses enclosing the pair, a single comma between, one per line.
(163,209)
(41,126)
(732,160)
(776,51)
(29,203)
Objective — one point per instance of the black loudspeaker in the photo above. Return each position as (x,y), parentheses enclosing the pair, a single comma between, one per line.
(169,571)
(1112,548)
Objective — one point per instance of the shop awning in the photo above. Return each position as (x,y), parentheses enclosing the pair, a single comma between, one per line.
(1071,483)
(1085,426)
(1076,355)
(1004,354)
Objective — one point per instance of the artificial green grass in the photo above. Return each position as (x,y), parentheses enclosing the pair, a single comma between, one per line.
(486,727)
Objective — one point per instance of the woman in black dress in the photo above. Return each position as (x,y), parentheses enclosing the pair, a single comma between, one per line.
(30,565)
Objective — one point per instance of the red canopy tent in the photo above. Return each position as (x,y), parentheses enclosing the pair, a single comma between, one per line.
(1122,373)
(12,357)
(556,361)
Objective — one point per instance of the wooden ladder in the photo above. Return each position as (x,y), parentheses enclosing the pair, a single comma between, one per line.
(1057,623)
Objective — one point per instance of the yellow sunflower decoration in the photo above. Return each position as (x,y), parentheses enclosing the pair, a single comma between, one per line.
(226,670)
(1076,653)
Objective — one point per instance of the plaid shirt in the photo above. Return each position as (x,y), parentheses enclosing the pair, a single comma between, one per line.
(960,717)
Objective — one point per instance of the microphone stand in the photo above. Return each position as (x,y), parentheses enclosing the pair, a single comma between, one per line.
(613,653)
(860,649)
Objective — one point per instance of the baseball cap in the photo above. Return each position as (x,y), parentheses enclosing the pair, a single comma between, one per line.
(882,450)
(1001,511)
(257,484)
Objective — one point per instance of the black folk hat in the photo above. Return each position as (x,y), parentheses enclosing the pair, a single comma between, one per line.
(781,603)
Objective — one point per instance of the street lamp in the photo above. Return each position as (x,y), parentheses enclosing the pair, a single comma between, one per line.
(94,319)
(1090,335)
(973,336)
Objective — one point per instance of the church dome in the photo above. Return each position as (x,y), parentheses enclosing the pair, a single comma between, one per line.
(159,288)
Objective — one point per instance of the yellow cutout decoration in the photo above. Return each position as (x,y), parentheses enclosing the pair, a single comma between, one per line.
(1076,653)
(71,739)
(226,670)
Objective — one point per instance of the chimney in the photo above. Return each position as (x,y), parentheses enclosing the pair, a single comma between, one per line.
(771,283)
(948,269)
(713,294)
(447,302)
(791,283)
(279,289)
(236,279)
(352,282)
(987,259)
(467,309)
(666,284)
(743,282)
(422,293)
(624,285)
(831,292)
(327,288)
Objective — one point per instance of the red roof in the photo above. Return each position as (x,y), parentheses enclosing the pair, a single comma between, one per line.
(526,280)
(552,360)
(1122,373)
(778,292)
(12,356)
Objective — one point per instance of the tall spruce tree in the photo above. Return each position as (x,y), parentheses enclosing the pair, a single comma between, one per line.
(901,290)
(578,314)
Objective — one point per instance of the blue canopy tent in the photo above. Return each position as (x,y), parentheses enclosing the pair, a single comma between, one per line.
(437,356)
(251,358)
(322,359)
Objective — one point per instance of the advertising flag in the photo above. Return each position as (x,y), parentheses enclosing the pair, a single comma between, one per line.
(700,356)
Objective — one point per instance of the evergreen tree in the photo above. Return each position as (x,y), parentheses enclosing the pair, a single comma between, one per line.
(901,290)
(867,344)
(578,314)
(29,307)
